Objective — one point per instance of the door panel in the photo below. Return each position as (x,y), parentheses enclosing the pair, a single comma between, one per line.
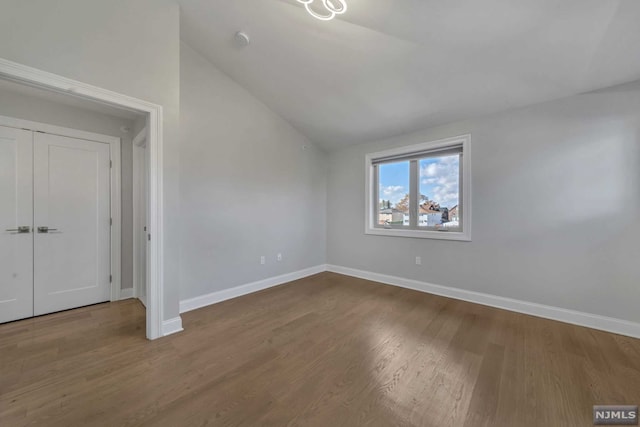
(16,209)
(72,198)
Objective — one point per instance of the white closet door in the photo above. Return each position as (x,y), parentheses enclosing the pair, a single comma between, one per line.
(16,223)
(72,223)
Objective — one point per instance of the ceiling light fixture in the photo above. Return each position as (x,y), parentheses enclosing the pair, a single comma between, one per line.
(332,7)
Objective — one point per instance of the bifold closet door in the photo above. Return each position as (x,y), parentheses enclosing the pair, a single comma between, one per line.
(16,223)
(72,261)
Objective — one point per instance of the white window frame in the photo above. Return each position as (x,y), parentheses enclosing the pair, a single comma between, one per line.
(464,203)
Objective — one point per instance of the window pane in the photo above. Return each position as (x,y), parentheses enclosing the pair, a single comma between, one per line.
(393,194)
(439,192)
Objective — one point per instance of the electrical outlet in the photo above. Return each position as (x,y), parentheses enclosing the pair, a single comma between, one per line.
(263,260)
(418,260)
(279,257)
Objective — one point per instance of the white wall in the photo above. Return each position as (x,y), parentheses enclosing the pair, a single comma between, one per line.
(44,111)
(248,187)
(556,207)
(130,47)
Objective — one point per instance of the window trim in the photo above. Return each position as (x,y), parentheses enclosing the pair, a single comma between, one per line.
(464,203)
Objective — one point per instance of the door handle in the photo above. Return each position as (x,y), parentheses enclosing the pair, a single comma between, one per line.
(20,230)
(46,229)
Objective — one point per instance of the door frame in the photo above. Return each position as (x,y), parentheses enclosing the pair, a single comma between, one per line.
(139,144)
(115,185)
(155,268)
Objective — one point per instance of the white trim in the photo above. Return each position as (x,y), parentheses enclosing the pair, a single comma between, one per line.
(419,234)
(172,326)
(155,275)
(116,226)
(139,239)
(225,294)
(465,197)
(126,293)
(609,324)
(57,130)
(115,185)
(140,139)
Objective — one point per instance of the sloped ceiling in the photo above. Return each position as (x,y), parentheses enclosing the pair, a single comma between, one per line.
(388,67)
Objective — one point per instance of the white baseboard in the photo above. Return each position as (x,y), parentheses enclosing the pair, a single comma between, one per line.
(225,294)
(595,321)
(171,326)
(609,324)
(126,293)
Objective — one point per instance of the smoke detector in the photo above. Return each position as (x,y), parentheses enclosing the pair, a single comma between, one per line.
(242,38)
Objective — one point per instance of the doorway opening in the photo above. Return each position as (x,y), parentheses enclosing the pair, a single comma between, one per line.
(73,155)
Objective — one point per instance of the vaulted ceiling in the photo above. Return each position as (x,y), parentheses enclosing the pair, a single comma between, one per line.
(387,67)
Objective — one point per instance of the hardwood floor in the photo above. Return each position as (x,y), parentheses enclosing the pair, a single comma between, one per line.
(328,350)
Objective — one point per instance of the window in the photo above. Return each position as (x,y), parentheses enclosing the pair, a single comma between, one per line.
(420,191)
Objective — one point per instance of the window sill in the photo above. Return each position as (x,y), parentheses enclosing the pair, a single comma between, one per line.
(420,234)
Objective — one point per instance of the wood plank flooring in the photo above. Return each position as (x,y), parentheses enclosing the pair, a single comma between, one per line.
(328,350)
